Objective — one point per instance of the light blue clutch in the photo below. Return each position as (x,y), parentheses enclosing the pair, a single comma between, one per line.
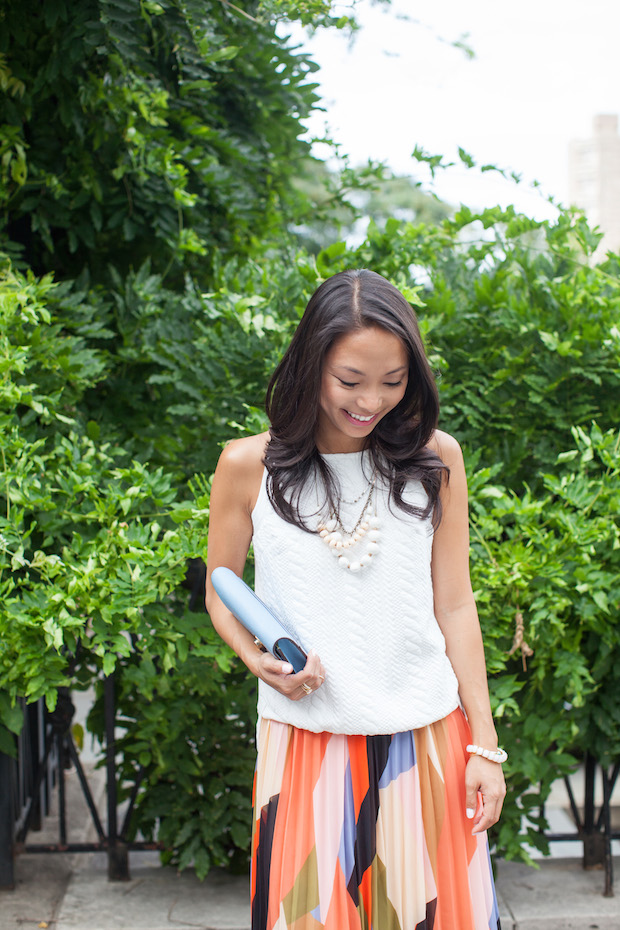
(256,617)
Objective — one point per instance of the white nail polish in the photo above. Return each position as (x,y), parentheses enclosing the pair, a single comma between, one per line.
(470,813)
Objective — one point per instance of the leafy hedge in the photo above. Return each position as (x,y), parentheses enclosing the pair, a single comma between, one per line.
(95,544)
(546,569)
(133,130)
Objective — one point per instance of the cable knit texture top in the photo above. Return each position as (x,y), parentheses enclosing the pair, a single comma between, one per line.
(374,630)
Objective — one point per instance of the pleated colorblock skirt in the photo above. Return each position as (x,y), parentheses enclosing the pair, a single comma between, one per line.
(367,832)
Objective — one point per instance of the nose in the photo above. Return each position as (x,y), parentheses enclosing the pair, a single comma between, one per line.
(370,402)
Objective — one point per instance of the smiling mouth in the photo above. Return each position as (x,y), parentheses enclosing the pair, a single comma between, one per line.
(358,418)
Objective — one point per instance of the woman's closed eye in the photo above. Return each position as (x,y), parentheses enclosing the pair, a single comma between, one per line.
(352,384)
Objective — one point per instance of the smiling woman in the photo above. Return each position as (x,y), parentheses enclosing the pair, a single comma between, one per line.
(352,318)
(370,803)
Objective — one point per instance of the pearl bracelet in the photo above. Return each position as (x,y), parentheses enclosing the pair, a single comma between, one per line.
(493,755)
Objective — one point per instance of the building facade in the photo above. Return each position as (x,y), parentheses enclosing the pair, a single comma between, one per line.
(594,180)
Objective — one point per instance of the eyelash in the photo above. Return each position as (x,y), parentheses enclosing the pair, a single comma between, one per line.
(352,384)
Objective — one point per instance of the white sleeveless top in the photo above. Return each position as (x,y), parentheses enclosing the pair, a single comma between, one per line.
(374,630)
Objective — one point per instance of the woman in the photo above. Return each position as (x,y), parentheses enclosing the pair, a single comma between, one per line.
(373,788)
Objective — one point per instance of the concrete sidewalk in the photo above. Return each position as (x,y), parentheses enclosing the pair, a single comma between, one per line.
(74,894)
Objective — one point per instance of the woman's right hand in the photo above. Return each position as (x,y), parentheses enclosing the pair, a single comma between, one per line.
(279,675)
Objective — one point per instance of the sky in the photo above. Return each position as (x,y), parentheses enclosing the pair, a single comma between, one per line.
(542,70)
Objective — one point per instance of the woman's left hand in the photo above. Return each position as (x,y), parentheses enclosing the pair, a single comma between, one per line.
(484,779)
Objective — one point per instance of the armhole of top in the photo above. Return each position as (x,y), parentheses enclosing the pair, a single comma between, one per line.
(262,499)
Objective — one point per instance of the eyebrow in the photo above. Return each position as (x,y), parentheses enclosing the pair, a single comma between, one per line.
(356,371)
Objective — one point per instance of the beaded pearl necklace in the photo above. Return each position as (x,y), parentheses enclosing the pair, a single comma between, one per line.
(363,538)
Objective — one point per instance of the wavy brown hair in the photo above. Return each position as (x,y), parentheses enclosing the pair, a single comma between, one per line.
(398,445)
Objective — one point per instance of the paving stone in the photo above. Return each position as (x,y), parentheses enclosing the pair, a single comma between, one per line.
(156,898)
(560,895)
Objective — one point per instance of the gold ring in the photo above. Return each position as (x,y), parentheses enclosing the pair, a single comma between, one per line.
(306,688)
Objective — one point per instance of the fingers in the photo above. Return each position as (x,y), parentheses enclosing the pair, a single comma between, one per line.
(485,790)
(310,678)
(488,814)
(279,675)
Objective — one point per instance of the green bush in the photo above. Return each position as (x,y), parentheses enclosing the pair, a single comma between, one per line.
(133,130)
(546,572)
(97,542)
(88,544)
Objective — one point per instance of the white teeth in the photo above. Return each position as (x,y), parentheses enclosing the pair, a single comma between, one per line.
(361,419)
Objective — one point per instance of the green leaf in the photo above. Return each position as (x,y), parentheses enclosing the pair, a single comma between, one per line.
(109,663)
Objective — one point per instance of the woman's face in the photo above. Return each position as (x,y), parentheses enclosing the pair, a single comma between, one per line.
(364,377)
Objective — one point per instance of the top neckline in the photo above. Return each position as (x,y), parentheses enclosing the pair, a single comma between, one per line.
(348,465)
(331,455)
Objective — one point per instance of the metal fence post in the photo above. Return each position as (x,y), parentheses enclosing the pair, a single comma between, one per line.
(7,821)
(118,857)
(606,812)
(593,839)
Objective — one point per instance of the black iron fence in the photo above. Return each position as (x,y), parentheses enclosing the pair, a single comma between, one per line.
(593,822)
(26,784)
(45,746)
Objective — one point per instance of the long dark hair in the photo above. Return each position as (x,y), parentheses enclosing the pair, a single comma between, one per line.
(347,302)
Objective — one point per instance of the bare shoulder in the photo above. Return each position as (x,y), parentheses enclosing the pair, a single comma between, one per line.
(446,447)
(239,473)
(244,457)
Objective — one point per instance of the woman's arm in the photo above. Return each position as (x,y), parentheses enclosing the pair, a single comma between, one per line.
(457,616)
(235,488)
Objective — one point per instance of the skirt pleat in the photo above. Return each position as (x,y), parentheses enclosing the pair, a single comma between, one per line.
(367,832)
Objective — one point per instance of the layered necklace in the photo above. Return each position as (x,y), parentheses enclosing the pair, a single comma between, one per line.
(355,548)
